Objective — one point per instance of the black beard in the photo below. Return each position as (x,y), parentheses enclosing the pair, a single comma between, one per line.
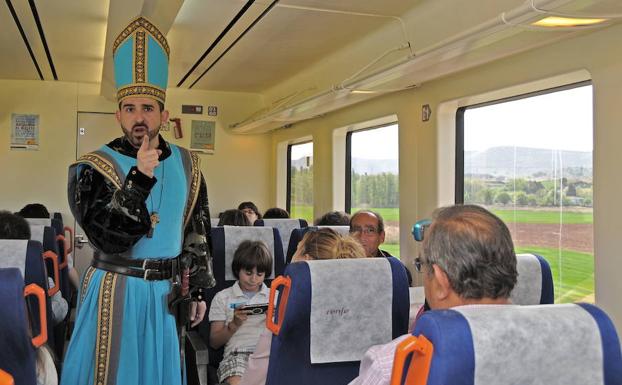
(130,138)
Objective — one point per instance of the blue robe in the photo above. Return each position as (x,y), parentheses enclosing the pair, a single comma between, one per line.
(124,333)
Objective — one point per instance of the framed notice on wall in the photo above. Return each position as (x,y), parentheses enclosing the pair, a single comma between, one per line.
(24,132)
(203,136)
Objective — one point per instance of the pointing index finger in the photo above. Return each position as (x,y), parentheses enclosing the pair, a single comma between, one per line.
(145,144)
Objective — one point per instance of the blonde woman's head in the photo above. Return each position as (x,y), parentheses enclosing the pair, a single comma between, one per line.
(325,243)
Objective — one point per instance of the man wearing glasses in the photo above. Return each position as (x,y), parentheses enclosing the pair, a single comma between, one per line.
(467,259)
(368,228)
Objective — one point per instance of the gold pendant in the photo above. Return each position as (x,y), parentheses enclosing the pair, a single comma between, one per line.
(155,219)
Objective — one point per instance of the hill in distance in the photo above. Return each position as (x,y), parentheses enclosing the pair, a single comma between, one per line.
(506,162)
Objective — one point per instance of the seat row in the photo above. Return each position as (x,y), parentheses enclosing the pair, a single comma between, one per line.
(19,342)
(326,317)
(290,231)
(43,256)
(535,286)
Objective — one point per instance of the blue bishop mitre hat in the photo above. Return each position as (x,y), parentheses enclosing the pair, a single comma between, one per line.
(140,55)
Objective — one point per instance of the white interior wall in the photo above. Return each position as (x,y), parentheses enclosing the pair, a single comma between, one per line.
(238,170)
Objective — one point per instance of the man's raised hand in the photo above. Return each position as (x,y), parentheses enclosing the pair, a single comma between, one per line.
(147,157)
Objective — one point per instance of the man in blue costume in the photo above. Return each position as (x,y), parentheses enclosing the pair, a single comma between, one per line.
(143,204)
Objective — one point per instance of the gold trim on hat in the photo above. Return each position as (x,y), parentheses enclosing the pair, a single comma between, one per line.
(145,24)
(141,90)
(140,55)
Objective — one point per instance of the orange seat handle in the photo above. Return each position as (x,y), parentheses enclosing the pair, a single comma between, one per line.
(286,282)
(65,248)
(421,350)
(54,258)
(69,230)
(6,378)
(34,289)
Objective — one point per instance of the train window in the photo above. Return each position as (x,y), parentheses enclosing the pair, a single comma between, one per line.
(529,160)
(372,178)
(300,180)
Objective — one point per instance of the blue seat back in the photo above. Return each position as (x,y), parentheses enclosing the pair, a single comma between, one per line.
(535,281)
(297,234)
(222,270)
(27,256)
(17,355)
(285,226)
(567,344)
(47,235)
(291,351)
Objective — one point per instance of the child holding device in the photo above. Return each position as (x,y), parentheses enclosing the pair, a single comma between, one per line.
(235,320)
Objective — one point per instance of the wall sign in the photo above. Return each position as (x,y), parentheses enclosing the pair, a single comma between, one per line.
(191,109)
(203,137)
(24,132)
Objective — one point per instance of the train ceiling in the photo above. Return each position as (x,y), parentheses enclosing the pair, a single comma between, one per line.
(281,49)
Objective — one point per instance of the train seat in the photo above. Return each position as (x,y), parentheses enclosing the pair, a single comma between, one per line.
(285,227)
(17,355)
(225,240)
(326,318)
(535,281)
(66,229)
(27,257)
(57,271)
(297,234)
(564,344)
(55,223)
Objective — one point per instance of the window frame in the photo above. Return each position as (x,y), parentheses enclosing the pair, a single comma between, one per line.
(459,161)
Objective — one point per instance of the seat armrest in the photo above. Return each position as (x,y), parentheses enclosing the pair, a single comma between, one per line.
(197,359)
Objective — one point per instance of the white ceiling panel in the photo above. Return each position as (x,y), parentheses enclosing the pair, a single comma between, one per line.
(198,27)
(283,43)
(76,33)
(279,52)
(387,7)
(15,61)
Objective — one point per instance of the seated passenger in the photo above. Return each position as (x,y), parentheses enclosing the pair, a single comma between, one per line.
(275,212)
(468,259)
(319,244)
(37,210)
(233,217)
(231,326)
(15,227)
(251,211)
(34,210)
(368,228)
(333,218)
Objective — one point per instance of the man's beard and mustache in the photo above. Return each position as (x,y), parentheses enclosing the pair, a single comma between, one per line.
(138,131)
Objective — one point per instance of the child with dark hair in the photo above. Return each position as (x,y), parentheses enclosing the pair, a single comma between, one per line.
(275,212)
(251,211)
(231,325)
(233,217)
